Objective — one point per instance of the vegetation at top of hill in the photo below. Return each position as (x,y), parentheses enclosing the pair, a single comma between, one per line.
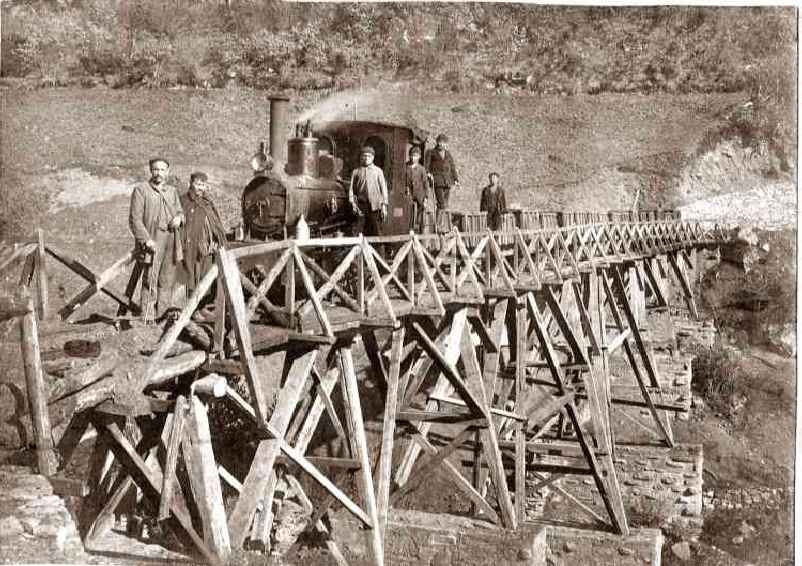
(273,44)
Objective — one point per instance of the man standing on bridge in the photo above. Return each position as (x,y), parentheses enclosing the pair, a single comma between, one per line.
(442,171)
(155,218)
(204,232)
(367,194)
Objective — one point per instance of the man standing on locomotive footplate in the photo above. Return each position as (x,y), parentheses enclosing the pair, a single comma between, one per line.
(368,194)
(442,171)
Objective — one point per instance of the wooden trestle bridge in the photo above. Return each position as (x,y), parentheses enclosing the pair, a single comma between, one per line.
(498,341)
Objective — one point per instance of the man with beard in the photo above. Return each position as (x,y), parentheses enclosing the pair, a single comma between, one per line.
(204,233)
(155,219)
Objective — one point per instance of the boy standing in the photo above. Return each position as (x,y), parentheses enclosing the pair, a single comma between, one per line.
(493,202)
(417,190)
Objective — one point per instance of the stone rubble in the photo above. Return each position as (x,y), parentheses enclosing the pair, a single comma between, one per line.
(35,524)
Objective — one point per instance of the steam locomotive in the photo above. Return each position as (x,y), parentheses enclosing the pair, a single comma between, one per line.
(311,171)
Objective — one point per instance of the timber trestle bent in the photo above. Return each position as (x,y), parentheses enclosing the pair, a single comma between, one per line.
(492,351)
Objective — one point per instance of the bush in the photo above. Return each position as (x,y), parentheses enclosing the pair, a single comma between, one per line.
(716,376)
(567,50)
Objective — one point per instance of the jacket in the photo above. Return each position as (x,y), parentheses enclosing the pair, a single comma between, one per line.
(442,169)
(417,184)
(368,185)
(151,211)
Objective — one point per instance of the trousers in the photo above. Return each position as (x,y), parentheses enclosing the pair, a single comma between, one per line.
(442,194)
(369,223)
(158,277)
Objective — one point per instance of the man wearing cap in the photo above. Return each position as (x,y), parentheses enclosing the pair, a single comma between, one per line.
(204,232)
(367,193)
(442,171)
(154,219)
(417,190)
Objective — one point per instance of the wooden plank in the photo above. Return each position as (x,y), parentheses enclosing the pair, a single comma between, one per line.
(220,318)
(83,271)
(451,373)
(460,481)
(682,277)
(210,502)
(136,465)
(388,429)
(367,255)
(46,461)
(240,323)
(519,430)
(93,288)
(493,411)
(433,459)
(578,351)
(348,464)
(264,460)
(428,279)
(616,342)
(264,286)
(492,451)
(359,448)
(41,276)
(322,318)
(453,330)
(171,460)
(331,281)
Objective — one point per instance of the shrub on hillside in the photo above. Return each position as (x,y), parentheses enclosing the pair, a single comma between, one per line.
(717,377)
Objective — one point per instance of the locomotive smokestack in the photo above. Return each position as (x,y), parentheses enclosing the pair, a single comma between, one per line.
(279,119)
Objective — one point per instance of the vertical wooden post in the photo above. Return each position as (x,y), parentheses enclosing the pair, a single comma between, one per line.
(37,394)
(521,324)
(210,500)
(388,430)
(289,289)
(41,276)
(220,314)
(359,448)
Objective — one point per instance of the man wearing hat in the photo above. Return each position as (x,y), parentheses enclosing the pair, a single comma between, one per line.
(204,232)
(154,219)
(442,171)
(367,194)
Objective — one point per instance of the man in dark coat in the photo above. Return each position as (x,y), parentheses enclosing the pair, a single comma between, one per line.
(493,202)
(442,171)
(204,233)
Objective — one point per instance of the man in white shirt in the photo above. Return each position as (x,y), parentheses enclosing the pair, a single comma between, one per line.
(368,194)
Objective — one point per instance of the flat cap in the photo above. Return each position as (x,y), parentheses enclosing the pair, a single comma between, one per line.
(198,176)
(368,149)
(442,137)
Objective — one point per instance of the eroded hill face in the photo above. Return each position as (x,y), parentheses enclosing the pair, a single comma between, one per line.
(583,152)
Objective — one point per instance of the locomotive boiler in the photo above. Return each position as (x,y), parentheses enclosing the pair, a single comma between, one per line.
(311,171)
